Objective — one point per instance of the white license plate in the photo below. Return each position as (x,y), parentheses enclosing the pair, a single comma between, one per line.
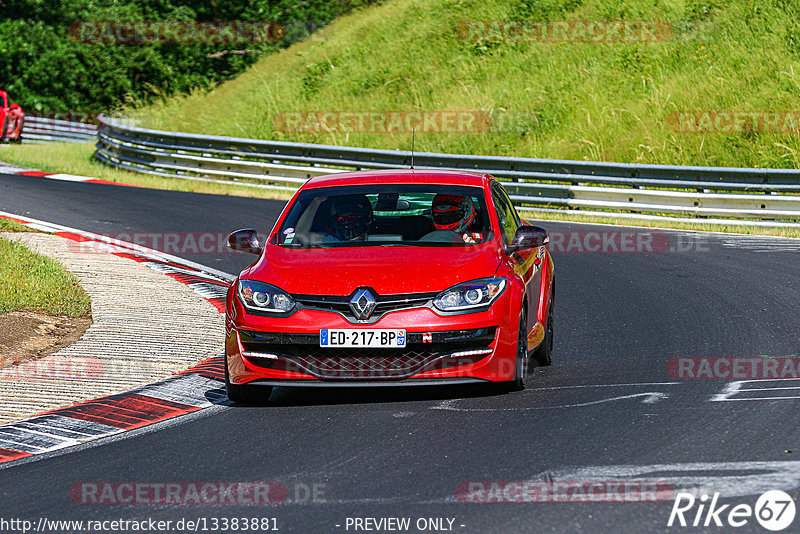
(362,338)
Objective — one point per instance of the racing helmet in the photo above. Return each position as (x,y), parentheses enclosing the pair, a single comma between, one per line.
(351,216)
(452,212)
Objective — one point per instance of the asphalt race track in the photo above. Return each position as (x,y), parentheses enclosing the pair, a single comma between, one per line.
(606,410)
(119,211)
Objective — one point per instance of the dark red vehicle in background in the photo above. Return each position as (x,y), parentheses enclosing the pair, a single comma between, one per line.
(11,119)
(409,277)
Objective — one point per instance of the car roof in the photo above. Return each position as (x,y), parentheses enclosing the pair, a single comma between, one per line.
(399,176)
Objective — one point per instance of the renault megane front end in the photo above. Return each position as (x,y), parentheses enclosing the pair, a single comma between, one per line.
(391,278)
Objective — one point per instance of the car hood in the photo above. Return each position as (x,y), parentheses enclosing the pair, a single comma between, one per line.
(387,270)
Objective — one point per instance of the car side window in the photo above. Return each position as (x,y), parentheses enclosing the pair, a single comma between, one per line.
(507,215)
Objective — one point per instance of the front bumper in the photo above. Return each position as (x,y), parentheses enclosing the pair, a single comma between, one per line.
(301,353)
(469,348)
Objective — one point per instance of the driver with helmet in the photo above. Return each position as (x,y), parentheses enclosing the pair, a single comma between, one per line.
(455,213)
(350,218)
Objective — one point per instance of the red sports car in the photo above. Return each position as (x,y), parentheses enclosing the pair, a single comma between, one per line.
(399,277)
(11,119)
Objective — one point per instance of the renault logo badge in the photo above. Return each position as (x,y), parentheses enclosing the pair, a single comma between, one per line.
(362,303)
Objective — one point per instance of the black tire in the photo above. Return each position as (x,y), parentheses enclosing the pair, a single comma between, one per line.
(245,394)
(543,353)
(18,139)
(521,365)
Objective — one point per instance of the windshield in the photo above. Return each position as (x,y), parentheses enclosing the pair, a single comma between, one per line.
(386,215)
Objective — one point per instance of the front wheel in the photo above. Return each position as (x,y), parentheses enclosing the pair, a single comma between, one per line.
(243,394)
(18,139)
(521,363)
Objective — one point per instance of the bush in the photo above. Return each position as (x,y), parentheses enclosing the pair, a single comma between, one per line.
(44,68)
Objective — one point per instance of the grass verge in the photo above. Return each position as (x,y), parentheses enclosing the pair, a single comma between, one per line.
(30,281)
(7,225)
(76,158)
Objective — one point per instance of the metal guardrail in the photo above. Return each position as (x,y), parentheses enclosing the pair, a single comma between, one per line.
(45,130)
(755,194)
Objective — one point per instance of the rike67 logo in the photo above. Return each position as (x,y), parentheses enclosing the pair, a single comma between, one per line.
(774,510)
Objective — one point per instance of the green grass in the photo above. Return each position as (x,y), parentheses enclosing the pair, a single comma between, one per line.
(583,101)
(76,158)
(7,225)
(30,281)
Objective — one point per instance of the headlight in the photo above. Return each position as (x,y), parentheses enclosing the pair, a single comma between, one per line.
(470,295)
(258,296)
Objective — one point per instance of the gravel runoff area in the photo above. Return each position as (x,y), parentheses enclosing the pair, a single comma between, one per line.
(146,326)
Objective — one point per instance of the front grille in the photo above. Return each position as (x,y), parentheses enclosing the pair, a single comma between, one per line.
(301,353)
(384,304)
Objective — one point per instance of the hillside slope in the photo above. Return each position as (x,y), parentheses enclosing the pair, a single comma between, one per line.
(612,101)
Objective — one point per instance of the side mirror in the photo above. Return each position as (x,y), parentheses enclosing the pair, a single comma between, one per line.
(245,241)
(528,237)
